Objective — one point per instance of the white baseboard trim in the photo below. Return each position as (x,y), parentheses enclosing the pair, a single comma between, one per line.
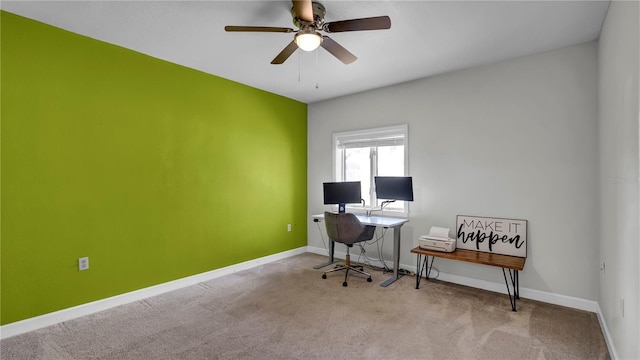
(543,296)
(607,335)
(551,298)
(338,254)
(23,326)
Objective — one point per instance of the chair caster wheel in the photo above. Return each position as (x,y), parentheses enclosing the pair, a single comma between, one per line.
(324,276)
(344,283)
(368,279)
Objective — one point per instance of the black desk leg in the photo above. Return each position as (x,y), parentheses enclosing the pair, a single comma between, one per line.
(419,271)
(423,268)
(396,257)
(515,284)
(430,266)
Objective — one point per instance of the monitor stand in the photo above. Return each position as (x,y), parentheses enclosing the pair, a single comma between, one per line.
(342,208)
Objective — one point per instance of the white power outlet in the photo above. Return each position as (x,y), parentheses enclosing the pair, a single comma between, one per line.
(622,307)
(83,263)
(288,227)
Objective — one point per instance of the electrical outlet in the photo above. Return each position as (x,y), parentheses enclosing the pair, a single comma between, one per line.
(288,227)
(83,263)
(622,307)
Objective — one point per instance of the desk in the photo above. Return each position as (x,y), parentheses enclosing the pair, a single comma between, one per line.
(385,222)
(512,263)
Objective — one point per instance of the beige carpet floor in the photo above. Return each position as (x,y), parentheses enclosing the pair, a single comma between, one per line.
(285,310)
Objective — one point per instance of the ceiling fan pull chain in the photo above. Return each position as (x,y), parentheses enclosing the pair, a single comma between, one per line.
(317,69)
(298,66)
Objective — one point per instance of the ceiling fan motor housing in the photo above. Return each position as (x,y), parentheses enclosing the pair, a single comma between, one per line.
(318,17)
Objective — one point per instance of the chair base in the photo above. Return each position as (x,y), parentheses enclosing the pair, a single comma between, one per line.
(348,267)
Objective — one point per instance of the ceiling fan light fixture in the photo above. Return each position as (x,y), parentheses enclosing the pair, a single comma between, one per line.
(308,40)
(308,17)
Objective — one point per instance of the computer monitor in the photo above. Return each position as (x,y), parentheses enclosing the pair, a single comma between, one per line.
(394,187)
(342,193)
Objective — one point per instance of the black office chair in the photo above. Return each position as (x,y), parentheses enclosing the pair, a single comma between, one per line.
(346,228)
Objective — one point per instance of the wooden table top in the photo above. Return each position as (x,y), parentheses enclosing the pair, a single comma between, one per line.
(478,257)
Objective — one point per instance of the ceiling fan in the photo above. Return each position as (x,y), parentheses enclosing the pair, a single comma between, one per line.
(308,16)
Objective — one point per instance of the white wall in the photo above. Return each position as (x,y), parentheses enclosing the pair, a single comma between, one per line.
(619,175)
(516,139)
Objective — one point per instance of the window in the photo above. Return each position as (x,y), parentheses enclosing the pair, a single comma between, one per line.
(361,155)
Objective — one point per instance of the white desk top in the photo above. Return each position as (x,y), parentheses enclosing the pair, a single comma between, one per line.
(384,221)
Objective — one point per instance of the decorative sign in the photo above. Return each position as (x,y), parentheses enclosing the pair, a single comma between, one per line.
(494,235)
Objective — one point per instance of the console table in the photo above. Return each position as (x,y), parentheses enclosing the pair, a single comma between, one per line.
(511,263)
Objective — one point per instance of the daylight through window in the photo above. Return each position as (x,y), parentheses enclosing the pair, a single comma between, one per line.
(361,155)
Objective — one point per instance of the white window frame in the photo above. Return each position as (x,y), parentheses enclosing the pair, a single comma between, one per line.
(389,135)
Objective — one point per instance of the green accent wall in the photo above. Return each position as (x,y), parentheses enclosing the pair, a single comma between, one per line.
(152,170)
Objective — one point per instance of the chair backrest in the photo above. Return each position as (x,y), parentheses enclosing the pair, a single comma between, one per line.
(346,228)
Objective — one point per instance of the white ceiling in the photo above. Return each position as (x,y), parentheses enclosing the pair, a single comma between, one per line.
(426,37)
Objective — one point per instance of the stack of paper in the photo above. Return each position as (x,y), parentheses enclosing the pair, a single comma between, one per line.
(437,233)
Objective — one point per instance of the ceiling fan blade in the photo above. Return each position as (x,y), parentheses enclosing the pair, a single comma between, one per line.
(372,23)
(303,10)
(258,29)
(285,53)
(337,50)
